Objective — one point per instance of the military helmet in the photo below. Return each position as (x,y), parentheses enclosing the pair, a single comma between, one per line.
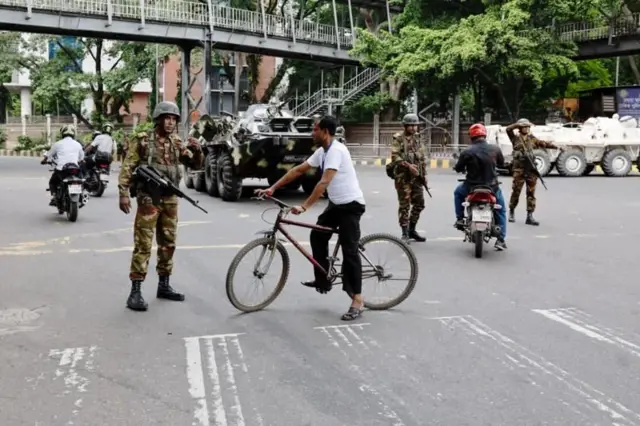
(163,108)
(410,120)
(523,122)
(68,130)
(107,128)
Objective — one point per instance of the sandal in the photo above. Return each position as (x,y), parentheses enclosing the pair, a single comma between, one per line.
(351,314)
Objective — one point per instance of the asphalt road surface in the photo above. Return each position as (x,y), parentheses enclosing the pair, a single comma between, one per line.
(546,333)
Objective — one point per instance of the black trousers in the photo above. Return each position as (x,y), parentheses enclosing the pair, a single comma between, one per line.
(54,182)
(346,218)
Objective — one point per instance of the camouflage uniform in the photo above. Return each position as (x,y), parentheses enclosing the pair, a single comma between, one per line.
(410,188)
(522,169)
(165,154)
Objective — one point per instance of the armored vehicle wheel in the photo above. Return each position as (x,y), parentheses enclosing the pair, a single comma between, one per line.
(188,180)
(198,182)
(543,161)
(588,169)
(571,163)
(229,185)
(211,174)
(616,163)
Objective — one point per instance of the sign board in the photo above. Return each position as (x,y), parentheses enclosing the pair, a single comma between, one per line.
(628,101)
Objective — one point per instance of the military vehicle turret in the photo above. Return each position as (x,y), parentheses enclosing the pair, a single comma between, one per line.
(264,143)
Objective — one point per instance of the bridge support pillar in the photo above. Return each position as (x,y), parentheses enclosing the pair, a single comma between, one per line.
(201,103)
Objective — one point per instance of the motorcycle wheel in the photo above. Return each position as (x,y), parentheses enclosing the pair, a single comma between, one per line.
(98,192)
(72,213)
(479,242)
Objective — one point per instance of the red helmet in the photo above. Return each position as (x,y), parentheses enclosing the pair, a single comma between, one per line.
(477,130)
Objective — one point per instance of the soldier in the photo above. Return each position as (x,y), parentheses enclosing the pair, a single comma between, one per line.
(163,149)
(523,173)
(410,175)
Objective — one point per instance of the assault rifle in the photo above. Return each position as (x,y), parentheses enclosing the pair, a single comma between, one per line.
(424,183)
(528,153)
(156,184)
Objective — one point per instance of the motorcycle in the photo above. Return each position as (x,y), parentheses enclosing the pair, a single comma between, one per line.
(70,195)
(479,217)
(97,168)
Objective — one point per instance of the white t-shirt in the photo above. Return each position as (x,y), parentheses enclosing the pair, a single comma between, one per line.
(104,143)
(344,188)
(67,150)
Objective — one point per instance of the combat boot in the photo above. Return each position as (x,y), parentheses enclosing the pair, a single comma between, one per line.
(405,233)
(413,234)
(135,301)
(512,215)
(531,220)
(165,291)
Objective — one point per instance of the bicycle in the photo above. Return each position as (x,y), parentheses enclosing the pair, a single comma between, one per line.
(272,244)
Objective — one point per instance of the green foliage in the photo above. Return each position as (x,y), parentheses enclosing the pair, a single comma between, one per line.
(25,143)
(61,82)
(364,108)
(3,138)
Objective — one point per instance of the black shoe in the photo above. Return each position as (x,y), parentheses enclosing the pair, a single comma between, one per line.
(500,245)
(135,301)
(414,235)
(531,220)
(512,216)
(165,291)
(320,288)
(52,202)
(459,225)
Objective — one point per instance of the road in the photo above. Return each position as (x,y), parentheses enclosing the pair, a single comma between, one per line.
(544,333)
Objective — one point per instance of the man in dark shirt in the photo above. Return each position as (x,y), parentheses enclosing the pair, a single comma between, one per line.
(480,161)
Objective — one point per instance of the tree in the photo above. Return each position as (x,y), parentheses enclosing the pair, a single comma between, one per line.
(490,49)
(116,68)
(9,43)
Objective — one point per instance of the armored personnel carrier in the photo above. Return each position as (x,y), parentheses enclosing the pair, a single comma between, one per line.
(611,143)
(264,142)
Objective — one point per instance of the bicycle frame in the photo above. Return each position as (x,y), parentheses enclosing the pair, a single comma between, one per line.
(280,220)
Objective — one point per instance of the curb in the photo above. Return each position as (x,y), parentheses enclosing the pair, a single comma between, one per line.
(12,153)
(434,163)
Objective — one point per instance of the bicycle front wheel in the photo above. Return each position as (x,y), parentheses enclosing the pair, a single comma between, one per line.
(268,254)
(401,271)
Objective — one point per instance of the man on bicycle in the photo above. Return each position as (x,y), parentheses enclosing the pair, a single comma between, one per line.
(346,207)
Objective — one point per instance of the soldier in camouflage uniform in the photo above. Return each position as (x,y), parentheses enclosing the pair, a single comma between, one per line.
(164,150)
(524,143)
(409,157)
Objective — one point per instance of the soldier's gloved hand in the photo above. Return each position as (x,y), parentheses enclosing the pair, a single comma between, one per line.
(413,169)
(125,205)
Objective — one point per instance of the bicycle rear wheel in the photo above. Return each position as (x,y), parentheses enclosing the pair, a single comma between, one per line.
(375,273)
(267,251)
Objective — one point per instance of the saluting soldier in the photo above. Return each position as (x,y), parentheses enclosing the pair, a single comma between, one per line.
(523,172)
(409,157)
(162,149)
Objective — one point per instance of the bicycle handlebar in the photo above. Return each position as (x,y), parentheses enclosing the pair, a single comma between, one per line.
(280,203)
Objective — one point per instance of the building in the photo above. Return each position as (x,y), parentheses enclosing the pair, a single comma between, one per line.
(167,82)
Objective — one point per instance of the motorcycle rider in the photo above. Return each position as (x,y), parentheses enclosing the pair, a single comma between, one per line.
(66,150)
(410,174)
(103,145)
(480,161)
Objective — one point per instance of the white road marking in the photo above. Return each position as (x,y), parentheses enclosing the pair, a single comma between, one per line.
(222,378)
(347,334)
(68,366)
(524,358)
(582,322)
